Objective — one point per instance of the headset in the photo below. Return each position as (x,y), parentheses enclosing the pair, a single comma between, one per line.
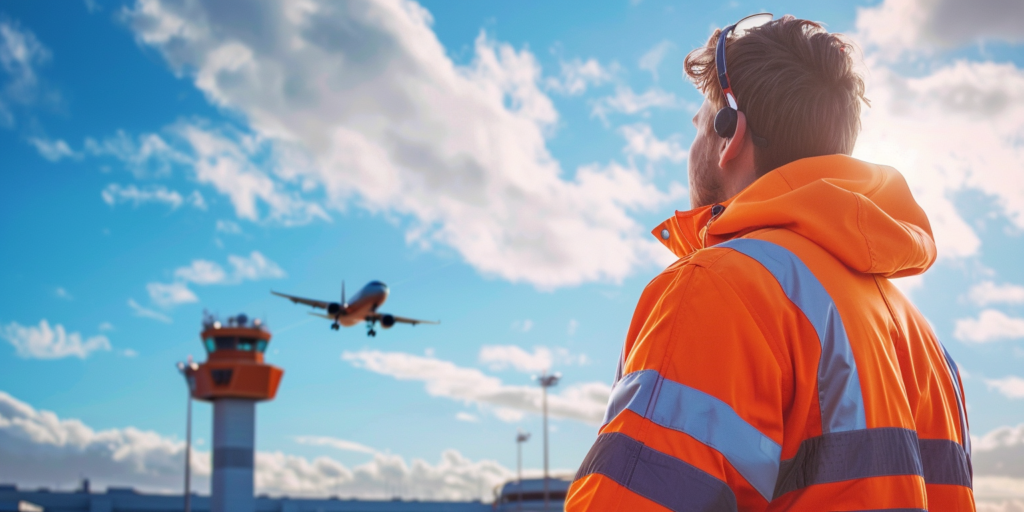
(727,116)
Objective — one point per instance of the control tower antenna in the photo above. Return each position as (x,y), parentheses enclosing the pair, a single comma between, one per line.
(234,377)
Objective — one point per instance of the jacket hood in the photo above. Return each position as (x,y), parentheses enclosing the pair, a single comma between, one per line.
(861,213)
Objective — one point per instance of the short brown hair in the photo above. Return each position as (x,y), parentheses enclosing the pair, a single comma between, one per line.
(796,84)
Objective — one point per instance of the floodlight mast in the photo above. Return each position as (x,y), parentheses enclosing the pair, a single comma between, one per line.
(188,370)
(546,381)
(521,437)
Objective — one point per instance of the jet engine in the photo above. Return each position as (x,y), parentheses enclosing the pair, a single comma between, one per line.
(386,321)
(333,308)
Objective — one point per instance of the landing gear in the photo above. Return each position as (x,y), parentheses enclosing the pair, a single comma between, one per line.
(372,333)
(369,328)
(335,326)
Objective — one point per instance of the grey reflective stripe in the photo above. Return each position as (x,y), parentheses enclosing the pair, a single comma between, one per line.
(954,374)
(703,417)
(659,477)
(839,393)
(945,462)
(842,456)
(232,458)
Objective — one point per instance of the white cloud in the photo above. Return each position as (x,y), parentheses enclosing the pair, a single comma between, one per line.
(40,448)
(167,295)
(652,59)
(641,141)
(626,101)
(60,292)
(991,325)
(147,155)
(987,292)
(20,53)
(582,402)
(228,227)
(897,27)
(333,442)
(44,342)
(578,75)
(254,267)
(522,325)
(1011,387)
(998,463)
(458,152)
(499,357)
(571,328)
(467,417)
(53,150)
(106,326)
(129,353)
(148,313)
(115,194)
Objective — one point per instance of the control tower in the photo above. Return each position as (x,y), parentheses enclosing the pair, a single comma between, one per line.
(234,377)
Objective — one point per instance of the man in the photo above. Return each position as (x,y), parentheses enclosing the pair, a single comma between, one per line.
(774,366)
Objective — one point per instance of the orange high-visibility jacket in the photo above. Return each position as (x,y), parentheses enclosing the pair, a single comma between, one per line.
(774,366)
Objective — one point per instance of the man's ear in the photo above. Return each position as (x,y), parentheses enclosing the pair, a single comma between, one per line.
(732,146)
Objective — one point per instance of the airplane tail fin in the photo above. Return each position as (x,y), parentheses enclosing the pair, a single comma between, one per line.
(343,303)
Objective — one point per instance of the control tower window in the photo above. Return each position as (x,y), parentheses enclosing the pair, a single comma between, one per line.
(226,343)
(210,345)
(261,346)
(247,344)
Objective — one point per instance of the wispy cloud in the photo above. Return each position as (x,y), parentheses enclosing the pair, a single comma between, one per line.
(62,293)
(148,313)
(333,442)
(582,402)
(577,75)
(170,294)
(987,292)
(1011,387)
(626,101)
(115,194)
(45,342)
(254,267)
(652,59)
(641,141)
(54,150)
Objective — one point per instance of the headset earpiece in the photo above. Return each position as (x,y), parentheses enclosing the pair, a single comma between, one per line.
(725,122)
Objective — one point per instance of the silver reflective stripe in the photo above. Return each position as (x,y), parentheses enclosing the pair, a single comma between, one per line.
(659,477)
(703,417)
(851,455)
(839,393)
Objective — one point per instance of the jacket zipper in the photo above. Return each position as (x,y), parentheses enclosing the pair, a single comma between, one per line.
(716,211)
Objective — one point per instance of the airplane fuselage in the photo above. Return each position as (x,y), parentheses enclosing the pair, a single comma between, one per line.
(365,302)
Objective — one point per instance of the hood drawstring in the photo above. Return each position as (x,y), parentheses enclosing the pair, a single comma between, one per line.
(716,210)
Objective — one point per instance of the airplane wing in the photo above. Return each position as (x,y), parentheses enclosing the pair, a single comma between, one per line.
(401,319)
(299,300)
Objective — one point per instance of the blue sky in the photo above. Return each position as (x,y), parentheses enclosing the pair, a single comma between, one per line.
(498,167)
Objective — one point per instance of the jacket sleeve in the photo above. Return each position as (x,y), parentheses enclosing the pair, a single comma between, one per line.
(695,420)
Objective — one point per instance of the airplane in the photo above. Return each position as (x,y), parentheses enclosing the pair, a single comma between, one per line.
(363,308)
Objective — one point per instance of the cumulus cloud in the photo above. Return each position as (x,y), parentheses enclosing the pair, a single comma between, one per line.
(170,294)
(147,313)
(897,27)
(53,150)
(45,342)
(991,325)
(987,292)
(360,104)
(254,267)
(652,59)
(499,357)
(998,463)
(40,448)
(1011,387)
(577,75)
(641,141)
(582,402)
(114,194)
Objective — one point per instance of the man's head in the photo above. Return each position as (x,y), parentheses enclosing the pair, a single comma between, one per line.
(795,86)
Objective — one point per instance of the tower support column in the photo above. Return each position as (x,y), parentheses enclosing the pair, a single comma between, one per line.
(234,441)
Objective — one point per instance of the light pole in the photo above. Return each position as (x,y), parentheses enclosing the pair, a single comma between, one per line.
(546,381)
(188,371)
(521,437)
